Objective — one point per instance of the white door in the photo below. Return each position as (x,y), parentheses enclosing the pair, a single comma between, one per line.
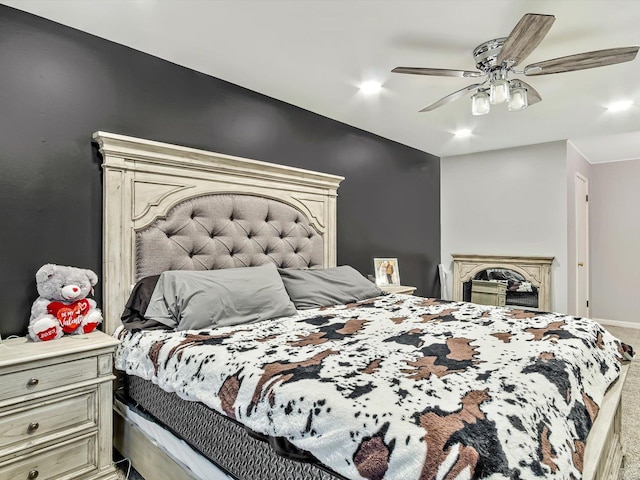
(582,246)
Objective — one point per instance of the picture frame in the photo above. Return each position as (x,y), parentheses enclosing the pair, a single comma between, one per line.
(386,271)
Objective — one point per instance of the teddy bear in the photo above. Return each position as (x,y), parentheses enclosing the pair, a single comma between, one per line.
(63,306)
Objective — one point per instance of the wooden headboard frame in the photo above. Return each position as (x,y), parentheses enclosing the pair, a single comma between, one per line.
(144,179)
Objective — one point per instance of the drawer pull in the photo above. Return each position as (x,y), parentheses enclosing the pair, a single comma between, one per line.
(33,474)
(33,426)
(32,383)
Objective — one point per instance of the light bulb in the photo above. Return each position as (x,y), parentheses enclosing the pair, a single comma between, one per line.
(518,99)
(499,91)
(480,104)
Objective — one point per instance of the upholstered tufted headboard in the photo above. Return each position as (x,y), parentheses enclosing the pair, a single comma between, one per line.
(225,231)
(168,207)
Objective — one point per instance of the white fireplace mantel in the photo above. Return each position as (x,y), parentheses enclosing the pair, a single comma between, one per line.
(536,270)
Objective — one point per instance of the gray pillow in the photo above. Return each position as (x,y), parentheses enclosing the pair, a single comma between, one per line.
(324,287)
(189,300)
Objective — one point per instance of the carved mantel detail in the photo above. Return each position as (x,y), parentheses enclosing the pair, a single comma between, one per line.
(536,270)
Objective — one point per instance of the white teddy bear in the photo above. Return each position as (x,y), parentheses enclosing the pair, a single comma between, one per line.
(62,306)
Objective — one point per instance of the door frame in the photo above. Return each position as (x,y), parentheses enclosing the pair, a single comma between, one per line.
(582,178)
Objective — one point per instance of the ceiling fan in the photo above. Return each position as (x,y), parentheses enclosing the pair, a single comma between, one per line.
(496,59)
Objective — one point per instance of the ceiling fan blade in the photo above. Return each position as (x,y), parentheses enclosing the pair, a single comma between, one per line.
(525,37)
(440,72)
(533,96)
(582,61)
(451,97)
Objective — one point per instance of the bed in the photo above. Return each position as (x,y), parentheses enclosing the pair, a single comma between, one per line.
(374,411)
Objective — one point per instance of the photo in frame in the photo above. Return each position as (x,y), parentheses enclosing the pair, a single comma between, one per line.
(387,272)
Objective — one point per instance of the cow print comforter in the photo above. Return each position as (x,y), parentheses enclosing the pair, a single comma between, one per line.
(400,387)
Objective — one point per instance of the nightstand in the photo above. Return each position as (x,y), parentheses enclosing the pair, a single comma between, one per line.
(56,408)
(398,289)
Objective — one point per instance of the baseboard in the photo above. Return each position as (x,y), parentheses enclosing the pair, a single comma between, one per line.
(617,323)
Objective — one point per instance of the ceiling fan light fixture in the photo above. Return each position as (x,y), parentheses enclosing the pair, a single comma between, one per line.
(480,104)
(518,98)
(497,59)
(499,91)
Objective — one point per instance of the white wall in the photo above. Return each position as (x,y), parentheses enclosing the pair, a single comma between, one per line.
(576,163)
(614,209)
(508,202)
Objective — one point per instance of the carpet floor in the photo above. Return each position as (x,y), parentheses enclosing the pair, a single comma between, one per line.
(630,437)
(631,424)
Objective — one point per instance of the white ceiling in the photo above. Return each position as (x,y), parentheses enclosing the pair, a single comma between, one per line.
(314,53)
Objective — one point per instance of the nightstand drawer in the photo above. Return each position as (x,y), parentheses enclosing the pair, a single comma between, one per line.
(34,380)
(54,462)
(57,417)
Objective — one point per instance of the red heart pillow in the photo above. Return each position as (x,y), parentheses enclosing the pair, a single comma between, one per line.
(69,314)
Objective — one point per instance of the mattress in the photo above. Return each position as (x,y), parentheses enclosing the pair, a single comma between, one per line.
(191,461)
(238,452)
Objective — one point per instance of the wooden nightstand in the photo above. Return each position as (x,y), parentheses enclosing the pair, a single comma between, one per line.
(398,289)
(55,408)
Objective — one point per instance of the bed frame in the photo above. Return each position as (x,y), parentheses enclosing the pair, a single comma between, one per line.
(144,179)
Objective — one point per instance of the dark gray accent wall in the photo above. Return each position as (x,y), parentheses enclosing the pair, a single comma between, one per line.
(59,85)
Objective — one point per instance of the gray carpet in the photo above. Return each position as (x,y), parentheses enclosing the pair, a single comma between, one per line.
(631,424)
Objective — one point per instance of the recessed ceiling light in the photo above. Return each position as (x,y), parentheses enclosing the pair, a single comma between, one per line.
(370,87)
(463,133)
(619,106)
